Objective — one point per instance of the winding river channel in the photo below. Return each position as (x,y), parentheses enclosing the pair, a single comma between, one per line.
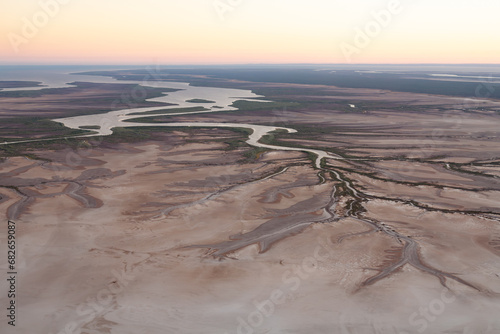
(273,230)
(220,99)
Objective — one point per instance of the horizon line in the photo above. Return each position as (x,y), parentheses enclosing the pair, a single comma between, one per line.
(240,64)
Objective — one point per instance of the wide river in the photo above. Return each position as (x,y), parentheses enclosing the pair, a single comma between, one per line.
(222,99)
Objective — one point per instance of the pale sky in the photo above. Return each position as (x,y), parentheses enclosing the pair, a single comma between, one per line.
(248,31)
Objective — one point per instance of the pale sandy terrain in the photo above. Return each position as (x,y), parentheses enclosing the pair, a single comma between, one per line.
(182,234)
(122,266)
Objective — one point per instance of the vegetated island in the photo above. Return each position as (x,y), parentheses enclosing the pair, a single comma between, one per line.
(199,101)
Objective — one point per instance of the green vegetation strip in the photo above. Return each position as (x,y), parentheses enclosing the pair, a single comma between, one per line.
(169,111)
(199,101)
(244,105)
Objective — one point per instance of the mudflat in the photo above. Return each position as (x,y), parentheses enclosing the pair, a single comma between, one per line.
(192,230)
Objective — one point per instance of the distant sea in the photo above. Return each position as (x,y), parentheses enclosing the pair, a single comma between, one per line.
(54,76)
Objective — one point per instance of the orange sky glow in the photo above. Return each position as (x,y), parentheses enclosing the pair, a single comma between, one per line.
(248,31)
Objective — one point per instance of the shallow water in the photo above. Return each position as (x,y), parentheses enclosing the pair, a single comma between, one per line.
(221,97)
